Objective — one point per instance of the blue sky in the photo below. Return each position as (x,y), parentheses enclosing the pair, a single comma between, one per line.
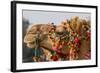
(51,16)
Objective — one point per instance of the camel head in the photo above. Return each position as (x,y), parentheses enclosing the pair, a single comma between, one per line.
(32,32)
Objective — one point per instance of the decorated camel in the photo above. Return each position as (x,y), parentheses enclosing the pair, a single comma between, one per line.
(69,40)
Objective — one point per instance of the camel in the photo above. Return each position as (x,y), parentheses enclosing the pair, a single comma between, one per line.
(46,36)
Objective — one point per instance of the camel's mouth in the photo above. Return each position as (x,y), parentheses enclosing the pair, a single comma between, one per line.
(30,38)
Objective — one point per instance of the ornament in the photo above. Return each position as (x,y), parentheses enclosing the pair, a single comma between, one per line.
(54,58)
(76,40)
(61,46)
(54,48)
(88,35)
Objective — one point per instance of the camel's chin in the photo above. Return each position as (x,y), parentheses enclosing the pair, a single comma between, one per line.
(31,45)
